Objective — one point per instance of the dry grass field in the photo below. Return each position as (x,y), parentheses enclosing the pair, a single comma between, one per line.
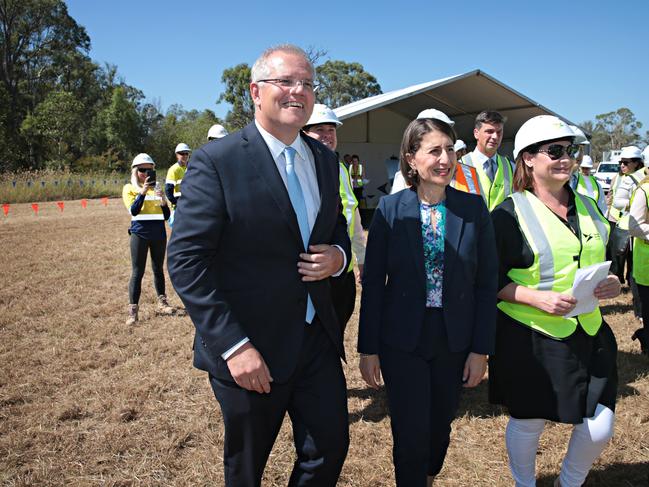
(85,400)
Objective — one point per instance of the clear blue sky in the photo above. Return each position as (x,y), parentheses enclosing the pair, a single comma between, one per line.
(577,58)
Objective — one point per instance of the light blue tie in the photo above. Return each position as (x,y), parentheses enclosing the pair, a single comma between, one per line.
(490,169)
(297,200)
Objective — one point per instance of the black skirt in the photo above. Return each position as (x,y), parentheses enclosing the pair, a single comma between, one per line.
(535,376)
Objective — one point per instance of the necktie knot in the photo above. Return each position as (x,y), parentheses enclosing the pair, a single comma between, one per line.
(289,154)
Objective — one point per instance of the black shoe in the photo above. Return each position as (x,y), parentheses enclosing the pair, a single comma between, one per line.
(641,336)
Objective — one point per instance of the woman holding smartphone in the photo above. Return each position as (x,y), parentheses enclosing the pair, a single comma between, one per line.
(149,210)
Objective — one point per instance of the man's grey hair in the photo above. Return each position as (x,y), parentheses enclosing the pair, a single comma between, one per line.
(261,69)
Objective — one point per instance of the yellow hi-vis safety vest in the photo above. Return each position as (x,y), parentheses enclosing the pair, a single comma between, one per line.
(349,204)
(175,175)
(356,175)
(151,209)
(641,245)
(558,253)
(494,192)
(588,186)
(613,213)
(466,179)
(623,220)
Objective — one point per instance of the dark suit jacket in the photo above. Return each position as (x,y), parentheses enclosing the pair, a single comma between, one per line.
(233,253)
(394,283)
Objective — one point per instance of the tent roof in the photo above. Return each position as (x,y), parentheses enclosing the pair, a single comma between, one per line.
(461,97)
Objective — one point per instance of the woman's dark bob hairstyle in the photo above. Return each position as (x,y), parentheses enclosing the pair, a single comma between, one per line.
(412,140)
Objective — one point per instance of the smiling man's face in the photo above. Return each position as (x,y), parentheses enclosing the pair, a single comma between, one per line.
(279,110)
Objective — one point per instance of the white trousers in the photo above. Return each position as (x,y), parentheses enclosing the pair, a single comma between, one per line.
(587,442)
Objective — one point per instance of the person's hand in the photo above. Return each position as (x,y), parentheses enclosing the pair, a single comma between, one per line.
(359,276)
(370,368)
(474,369)
(161,194)
(554,303)
(146,186)
(323,261)
(608,288)
(249,370)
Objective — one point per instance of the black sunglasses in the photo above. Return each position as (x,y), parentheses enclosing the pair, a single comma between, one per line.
(183,153)
(555,151)
(142,169)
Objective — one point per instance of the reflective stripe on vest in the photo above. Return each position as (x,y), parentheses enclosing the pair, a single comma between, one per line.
(349,204)
(556,261)
(613,213)
(493,192)
(461,182)
(587,185)
(641,245)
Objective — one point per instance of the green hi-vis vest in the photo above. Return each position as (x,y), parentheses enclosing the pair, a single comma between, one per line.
(349,204)
(613,213)
(623,220)
(558,253)
(641,246)
(494,192)
(587,185)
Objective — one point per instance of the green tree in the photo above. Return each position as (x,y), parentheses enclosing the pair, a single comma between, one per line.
(55,123)
(613,130)
(342,83)
(41,46)
(237,94)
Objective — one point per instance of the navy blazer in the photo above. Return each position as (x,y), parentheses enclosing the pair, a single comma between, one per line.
(394,281)
(234,250)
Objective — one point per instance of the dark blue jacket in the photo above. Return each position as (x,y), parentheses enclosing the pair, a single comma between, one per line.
(394,283)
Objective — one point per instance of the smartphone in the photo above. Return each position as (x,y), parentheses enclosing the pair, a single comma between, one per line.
(150,174)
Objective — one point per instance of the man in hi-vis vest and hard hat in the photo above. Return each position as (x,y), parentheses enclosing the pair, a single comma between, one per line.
(322,126)
(495,172)
(175,175)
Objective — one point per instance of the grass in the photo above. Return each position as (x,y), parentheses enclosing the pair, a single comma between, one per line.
(49,185)
(86,400)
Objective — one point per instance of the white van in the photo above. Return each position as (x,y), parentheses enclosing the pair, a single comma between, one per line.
(605,173)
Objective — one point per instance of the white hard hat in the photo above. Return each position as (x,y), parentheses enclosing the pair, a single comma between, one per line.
(142,159)
(645,156)
(182,147)
(459,145)
(433,113)
(580,136)
(216,131)
(539,129)
(323,114)
(586,162)
(630,152)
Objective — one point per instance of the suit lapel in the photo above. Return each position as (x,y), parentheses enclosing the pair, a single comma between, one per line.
(454,230)
(412,220)
(261,159)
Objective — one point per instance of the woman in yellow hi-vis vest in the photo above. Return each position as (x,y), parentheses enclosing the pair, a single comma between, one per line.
(149,210)
(639,230)
(548,366)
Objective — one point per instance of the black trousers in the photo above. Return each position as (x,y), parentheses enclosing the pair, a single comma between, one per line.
(139,249)
(423,392)
(315,398)
(643,295)
(343,295)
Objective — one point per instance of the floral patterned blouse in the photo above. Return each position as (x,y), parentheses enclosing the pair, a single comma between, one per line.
(433,229)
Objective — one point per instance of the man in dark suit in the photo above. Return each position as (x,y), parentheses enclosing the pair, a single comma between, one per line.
(259,234)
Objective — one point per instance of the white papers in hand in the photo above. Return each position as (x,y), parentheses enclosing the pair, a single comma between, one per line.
(586,280)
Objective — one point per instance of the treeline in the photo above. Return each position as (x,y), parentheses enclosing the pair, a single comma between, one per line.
(61,110)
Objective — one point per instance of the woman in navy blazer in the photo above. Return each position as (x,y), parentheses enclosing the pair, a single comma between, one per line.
(428,307)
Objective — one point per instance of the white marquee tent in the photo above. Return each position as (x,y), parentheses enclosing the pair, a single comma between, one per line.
(372,127)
